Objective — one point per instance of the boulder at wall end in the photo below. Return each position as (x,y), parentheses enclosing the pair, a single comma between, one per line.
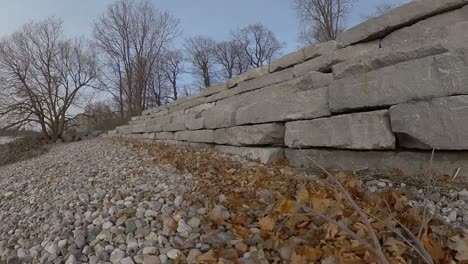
(436,124)
(256,135)
(361,131)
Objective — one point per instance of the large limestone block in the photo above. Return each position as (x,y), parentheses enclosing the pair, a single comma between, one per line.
(199,109)
(404,162)
(213,90)
(267,80)
(222,95)
(430,77)
(220,116)
(188,104)
(265,134)
(301,105)
(138,128)
(195,124)
(250,74)
(287,61)
(159,113)
(430,30)
(325,62)
(153,128)
(362,131)
(162,136)
(399,17)
(202,136)
(316,50)
(385,57)
(172,127)
(161,120)
(438,123)
(264,155)
(127,129)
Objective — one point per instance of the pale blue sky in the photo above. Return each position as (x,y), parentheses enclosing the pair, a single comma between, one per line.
(214,18)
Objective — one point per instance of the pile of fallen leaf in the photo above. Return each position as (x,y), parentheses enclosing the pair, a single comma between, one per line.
(279,204)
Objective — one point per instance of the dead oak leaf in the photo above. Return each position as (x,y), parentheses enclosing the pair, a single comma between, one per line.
(460,245)
(266,223)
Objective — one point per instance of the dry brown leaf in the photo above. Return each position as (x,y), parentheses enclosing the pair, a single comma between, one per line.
(460,245)
(302,195)
(287,206)
(434,249)
(332,230)
(305,254)
(266,223)
(208,258)
(320,205)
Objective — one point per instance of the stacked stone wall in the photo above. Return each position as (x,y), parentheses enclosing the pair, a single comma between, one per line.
(382,97)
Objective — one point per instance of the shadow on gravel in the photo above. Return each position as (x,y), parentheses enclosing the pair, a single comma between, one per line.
(23,148)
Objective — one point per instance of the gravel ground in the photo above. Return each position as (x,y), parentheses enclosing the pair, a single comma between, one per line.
(97,201)
(91,202)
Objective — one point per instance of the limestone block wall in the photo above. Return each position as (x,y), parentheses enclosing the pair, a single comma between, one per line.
(382,97)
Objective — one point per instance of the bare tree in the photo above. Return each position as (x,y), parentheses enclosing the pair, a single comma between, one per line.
(322,20)
(259,44)
(131,36)
(200,52)
(232,59)
(42,76)
(173,66)
(380,10)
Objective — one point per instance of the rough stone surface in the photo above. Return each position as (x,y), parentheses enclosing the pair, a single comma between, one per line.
(195,124)
(267,80)
(265,134)
(369,130)
(424,32)
(301,105)
(213,89)
(251,74)
(264,155)
(171,127)
(162,135)
(399,17)
(435,76)
(385,57)
(314,51)
(287,61)
(405,162)
(436,124)
(202,136)
(325,62)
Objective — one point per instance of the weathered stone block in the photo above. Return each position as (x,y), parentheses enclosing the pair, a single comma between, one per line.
(385,57)
(404,162)
(399,17)
(265,134)
(154,128)
(195,124)
(267,80)
(250,74)
(159,113)
(430,30)
(138,128)
(213,90)
(369,130)
(325,62)
(127,129)
(287,61)
(264,155)
(436,124)
(316,50)
(203,136)
(430,77)
(162,136)
(199,109)
(301,105)
(171,127)
(222,116)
